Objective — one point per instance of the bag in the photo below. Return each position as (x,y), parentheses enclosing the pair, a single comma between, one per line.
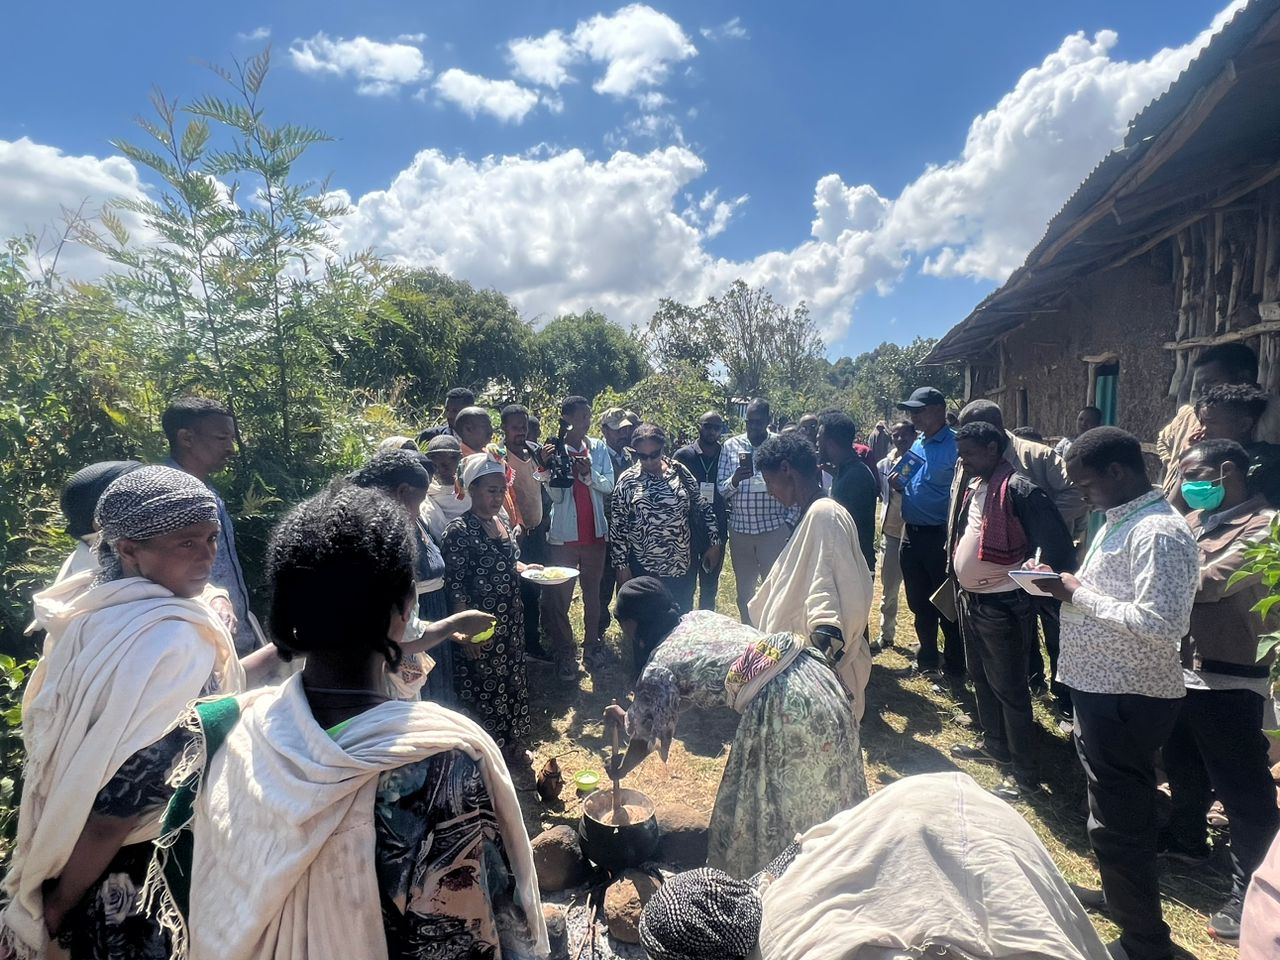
(699,534)
(944,598)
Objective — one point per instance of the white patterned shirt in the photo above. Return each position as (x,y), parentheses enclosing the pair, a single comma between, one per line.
(1122,631)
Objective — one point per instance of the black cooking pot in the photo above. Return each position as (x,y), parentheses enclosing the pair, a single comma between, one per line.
(616,847)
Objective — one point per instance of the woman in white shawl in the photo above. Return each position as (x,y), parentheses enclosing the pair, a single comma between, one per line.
(129,645)
(331,822)
(931,866)
(820,585)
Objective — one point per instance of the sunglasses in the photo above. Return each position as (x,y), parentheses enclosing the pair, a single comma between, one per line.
(649,456)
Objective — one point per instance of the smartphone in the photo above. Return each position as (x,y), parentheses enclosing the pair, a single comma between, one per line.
(745,460)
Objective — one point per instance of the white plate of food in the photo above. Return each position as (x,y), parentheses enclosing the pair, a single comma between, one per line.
(550,576)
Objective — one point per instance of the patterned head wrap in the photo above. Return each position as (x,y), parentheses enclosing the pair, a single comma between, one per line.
(479,465)
(80,495)
(704,914)
(147,503)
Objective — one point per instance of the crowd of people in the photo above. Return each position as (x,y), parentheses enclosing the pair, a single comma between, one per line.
(199,784)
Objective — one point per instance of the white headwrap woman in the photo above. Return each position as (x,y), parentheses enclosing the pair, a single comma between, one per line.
(129,646)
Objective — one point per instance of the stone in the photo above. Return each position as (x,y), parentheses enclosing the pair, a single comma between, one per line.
(557,932)
(558,859)
(684,834)
(624,902)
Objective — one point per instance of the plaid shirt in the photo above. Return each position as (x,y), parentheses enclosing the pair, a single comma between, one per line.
(751,509)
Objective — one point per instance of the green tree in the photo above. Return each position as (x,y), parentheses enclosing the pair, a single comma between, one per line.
(875,381)
(674,398)
(585,353)
(73,390)
(248,295)
(679,334)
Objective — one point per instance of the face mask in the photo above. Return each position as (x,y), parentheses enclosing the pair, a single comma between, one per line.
(1203,494)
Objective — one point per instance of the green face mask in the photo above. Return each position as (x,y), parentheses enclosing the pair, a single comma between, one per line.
(1203,494)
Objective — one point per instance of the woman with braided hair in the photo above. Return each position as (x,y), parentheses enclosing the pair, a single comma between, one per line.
(326,819)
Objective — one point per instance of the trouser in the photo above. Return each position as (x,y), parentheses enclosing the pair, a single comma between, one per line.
(890,584)
(923,556)
(1049,613)
(589,558)
(1117,736)
(997,629)
(680,588)
(709,581)
(1217,748)
(608,584)
(753,555)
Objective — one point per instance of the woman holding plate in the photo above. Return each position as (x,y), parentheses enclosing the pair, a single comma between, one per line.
(482,569)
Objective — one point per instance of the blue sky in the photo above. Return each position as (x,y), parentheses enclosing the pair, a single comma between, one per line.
(887,163)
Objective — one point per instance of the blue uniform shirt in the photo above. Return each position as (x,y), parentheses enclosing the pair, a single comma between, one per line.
(927,494)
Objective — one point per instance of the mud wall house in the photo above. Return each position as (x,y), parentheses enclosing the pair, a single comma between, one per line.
(1171,245)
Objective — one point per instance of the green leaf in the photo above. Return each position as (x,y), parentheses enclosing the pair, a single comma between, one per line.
(194,139)
(1267,644)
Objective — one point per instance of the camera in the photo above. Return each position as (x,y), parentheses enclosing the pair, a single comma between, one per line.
(561,465)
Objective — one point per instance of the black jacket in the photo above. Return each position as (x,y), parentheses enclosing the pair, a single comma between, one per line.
(1040,520)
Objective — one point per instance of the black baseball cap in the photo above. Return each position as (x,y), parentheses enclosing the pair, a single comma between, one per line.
(924,397)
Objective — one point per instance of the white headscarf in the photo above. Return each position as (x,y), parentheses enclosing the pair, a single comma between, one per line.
(479,465)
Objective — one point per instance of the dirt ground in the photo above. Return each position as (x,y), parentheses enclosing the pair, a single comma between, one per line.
(908,729)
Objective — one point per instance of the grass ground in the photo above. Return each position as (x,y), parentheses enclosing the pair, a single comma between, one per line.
(909,728)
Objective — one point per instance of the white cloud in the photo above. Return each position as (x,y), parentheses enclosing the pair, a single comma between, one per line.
(556,232)
(411,38)
(842,208)
(731,29)
(979,214)
(542,60)
(711,214)
(560,231)
(504,99)
(257,33)
(38,181)
(637,45)
(378,68)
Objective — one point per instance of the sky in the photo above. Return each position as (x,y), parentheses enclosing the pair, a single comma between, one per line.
(887,164)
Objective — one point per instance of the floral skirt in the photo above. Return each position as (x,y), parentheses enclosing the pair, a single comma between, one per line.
(795,761)
(108,923)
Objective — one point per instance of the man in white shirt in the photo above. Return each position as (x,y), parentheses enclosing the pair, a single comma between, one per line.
(1003,519)
(1123,619)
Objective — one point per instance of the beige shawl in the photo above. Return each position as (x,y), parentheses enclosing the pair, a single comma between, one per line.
(122,660)
(821,578)
(930,861)
(284,828)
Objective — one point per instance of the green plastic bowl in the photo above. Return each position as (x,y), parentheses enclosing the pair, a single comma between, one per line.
(586,781)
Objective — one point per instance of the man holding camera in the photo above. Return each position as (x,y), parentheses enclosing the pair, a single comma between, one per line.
(579,481)
(758,527)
